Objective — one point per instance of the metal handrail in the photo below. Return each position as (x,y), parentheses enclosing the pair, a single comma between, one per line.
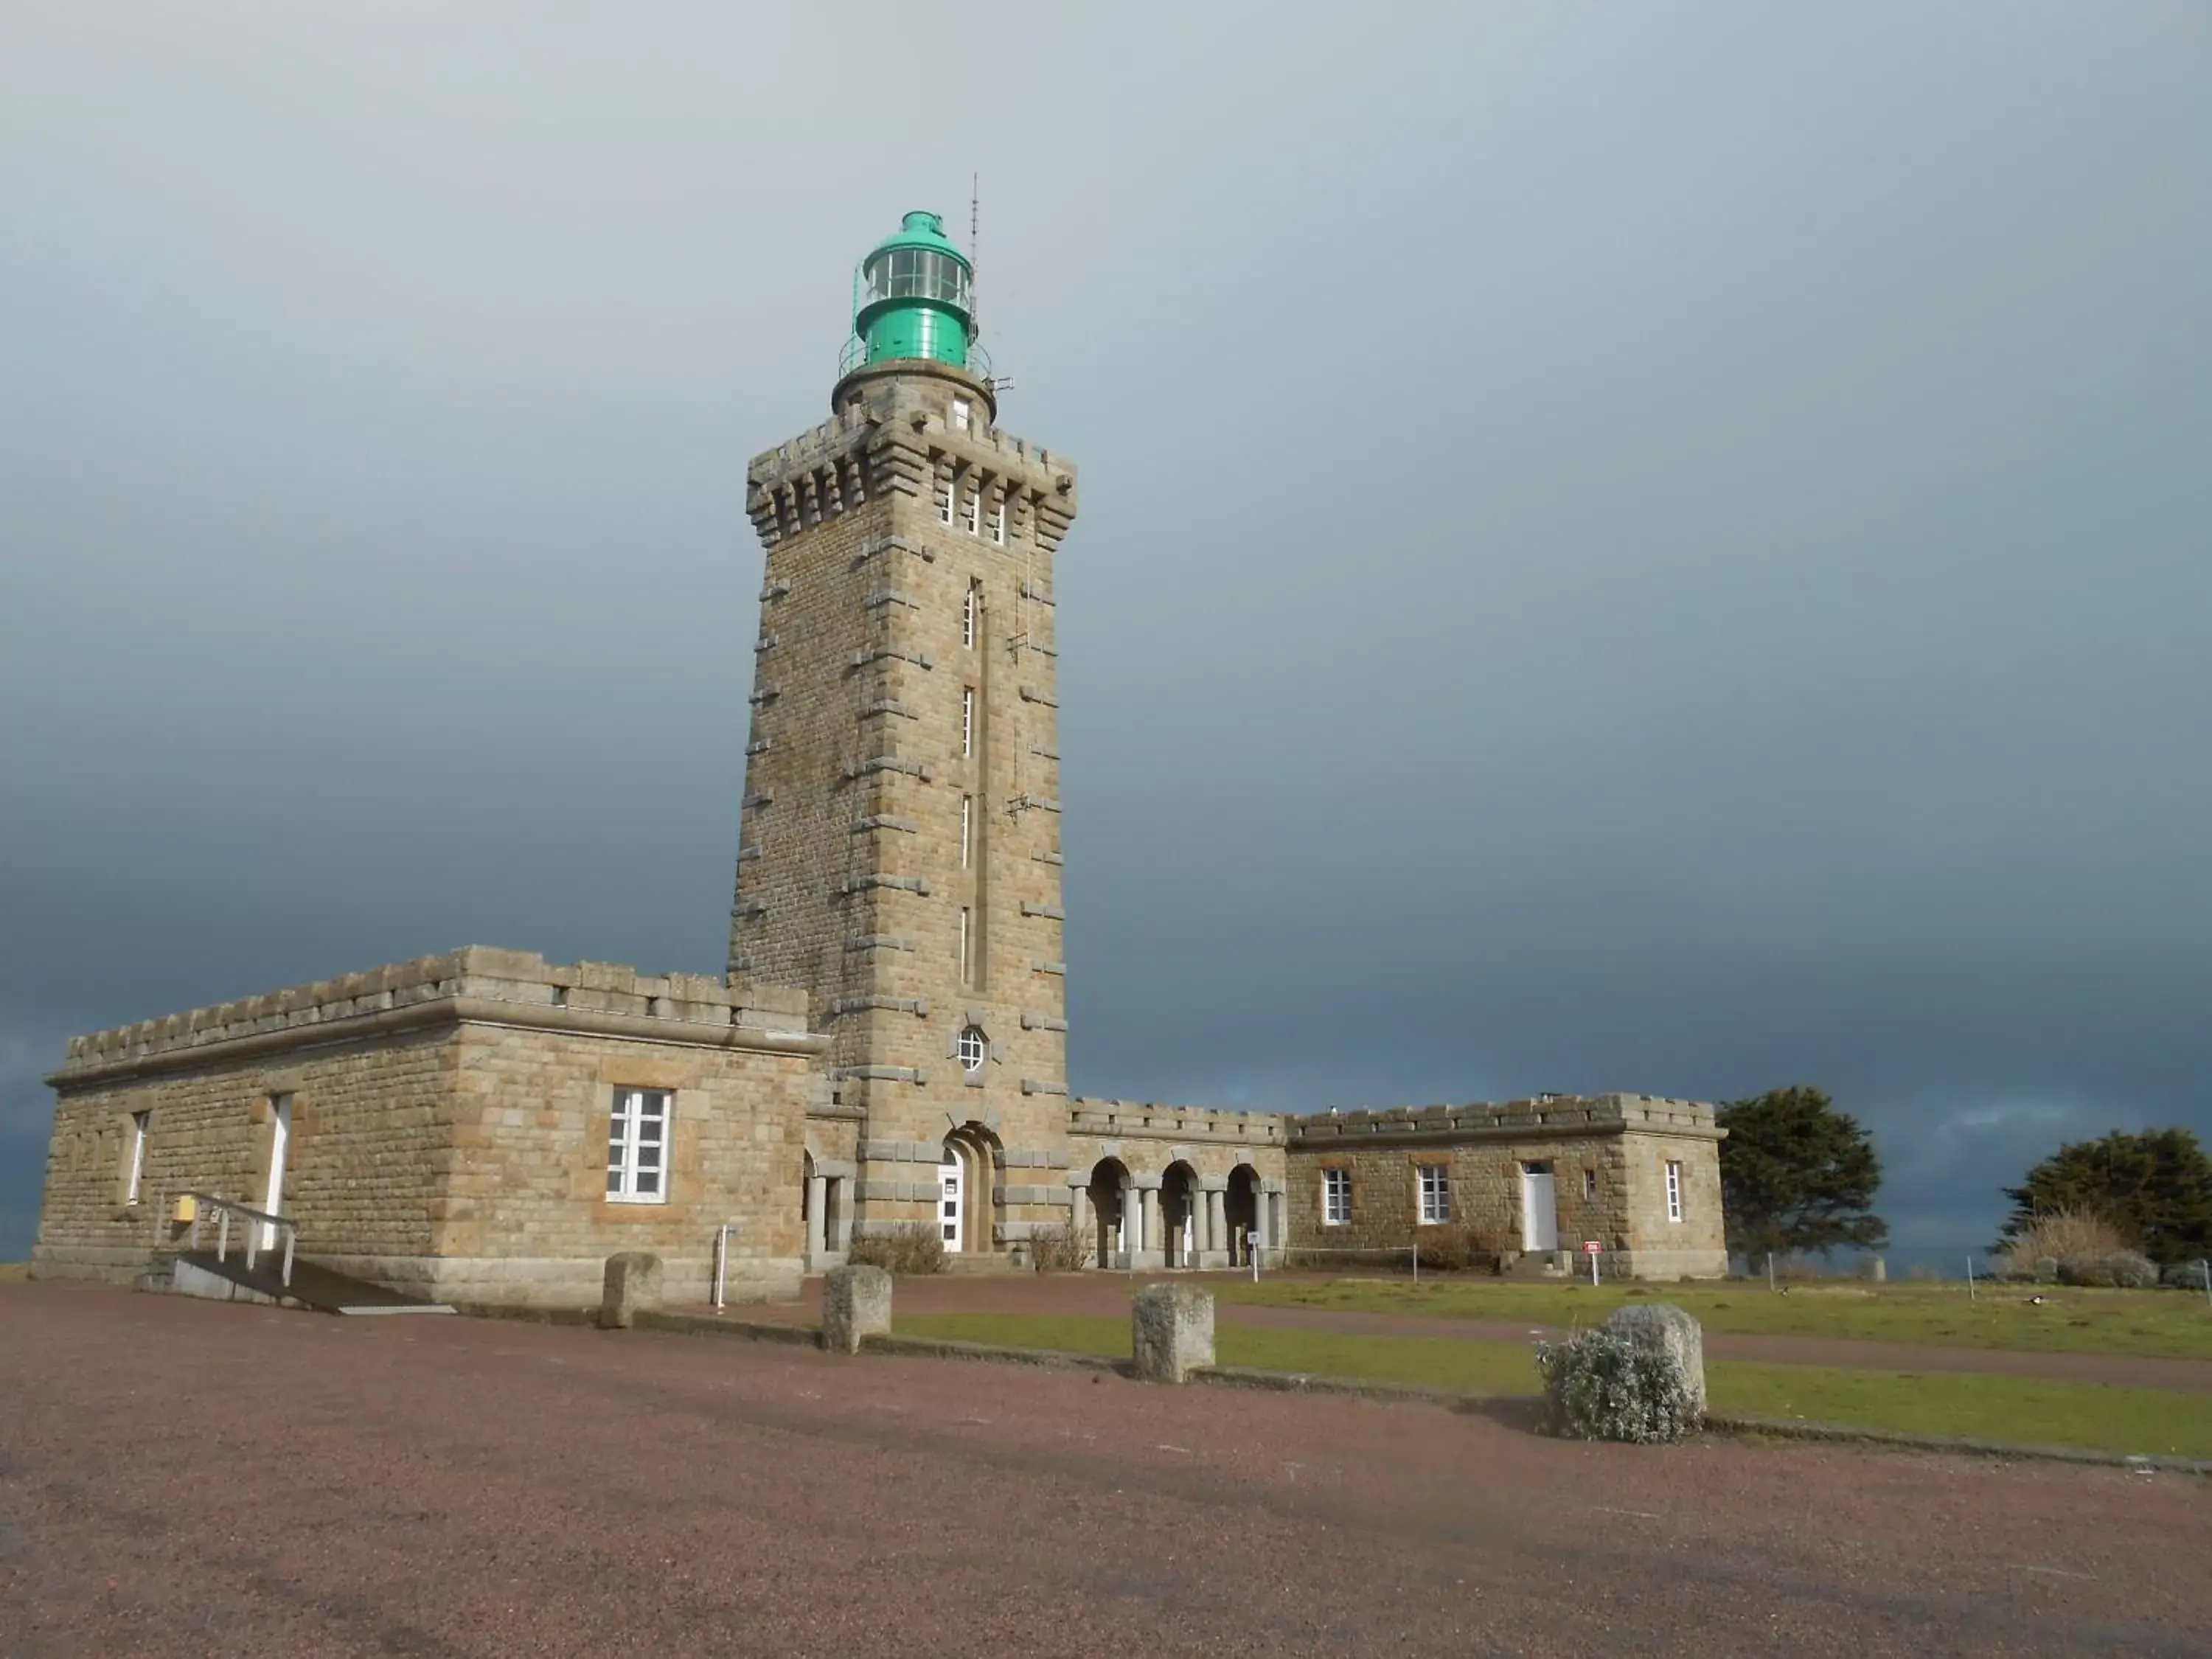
(256,1219)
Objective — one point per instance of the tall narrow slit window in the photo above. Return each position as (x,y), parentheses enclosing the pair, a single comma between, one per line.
(1674,1191)
(1436,1194)
(967,830)
(966,976)
(962,416)
(971,616)
(637,1147)
(998,522)
(972,513)
(967,721)
(943,489)
(134,1173)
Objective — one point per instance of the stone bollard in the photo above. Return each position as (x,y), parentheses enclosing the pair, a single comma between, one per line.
(632,1284)
(1171,1331)
(1667,1328)
(1876,1270)
(856,1302)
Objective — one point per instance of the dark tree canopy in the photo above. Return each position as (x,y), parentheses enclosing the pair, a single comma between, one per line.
(1797,1175)
(2155,1186)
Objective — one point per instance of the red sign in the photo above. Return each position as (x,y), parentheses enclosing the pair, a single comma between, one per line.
(1591,1247)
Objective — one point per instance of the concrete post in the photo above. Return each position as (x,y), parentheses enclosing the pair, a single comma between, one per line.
(1171,1332)
(817,1236)
(856,1302)
(632,1284)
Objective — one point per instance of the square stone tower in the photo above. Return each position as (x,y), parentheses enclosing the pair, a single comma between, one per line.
(900,852)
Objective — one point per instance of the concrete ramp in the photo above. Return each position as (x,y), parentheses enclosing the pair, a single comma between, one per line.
(202,1273)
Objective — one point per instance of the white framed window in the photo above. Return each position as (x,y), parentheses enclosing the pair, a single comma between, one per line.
(637,1147)
(1436,1194)
(967,830)
(943,488)
(998,522)
(967,721)
(971,615)
(134,1174)
(1589,1183)
(972,1049)
(962,415)
(972,516)
(965,976)
(1674,1191)
(1336,1197)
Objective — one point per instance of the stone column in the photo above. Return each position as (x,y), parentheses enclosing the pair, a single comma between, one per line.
(842,1239)
(1133,1234)
(1078,1220)
(1155,1242)
(817,1202)
(1217,1226)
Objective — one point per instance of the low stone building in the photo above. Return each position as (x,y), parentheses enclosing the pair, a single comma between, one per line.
(888,1052)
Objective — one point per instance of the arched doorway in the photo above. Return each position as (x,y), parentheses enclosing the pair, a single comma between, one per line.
(1110,1192)
(966,1171)
(1240,1206)
(1183,1231)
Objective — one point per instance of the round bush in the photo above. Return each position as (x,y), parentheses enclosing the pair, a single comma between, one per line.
(1598,1385)
(2114,1270)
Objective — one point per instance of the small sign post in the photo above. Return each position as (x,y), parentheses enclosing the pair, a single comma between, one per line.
(1591,1248)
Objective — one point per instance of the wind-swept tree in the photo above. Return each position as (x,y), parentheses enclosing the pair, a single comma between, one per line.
(1797,1175)
(2155,1186)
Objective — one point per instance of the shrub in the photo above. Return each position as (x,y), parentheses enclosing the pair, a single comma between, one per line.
(1059,1248)
(1453,1250)
(2116,1270)
(2186,1275)
(910,1249)
(1599,1386)
(2057,1234)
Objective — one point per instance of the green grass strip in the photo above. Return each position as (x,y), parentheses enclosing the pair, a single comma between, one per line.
(2020,1410)
(2167,1323)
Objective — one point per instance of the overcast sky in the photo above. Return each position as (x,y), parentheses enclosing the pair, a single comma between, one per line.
(1657,548)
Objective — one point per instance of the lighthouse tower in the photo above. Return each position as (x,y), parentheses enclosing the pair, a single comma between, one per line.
(899,851)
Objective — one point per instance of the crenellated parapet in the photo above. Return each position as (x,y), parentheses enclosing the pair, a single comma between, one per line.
(892,435)
(474,983)
(1539,1116)
(1125,1120)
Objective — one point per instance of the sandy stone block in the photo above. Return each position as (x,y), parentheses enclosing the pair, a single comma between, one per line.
(632,1284)
(1662,1326)
(856,1302)
(1171,1331)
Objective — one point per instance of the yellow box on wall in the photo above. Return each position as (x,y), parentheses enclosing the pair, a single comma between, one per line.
(188,1208)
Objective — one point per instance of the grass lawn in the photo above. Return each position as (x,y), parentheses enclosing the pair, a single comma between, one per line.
(2172,1323)
(2021,1411)
(15,1270)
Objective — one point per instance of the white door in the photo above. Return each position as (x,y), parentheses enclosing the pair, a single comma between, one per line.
(948,1199)
(1539,1208)
(280,1141)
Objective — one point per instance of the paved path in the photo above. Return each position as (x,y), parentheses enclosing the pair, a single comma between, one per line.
(181,1477)
(1108,1294)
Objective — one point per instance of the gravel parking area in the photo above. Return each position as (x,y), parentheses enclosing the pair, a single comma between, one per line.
(189,1478)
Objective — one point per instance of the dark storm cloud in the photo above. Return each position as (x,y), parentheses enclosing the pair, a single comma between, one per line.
(1658,551)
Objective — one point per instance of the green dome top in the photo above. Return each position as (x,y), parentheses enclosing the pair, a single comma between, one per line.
(922,230)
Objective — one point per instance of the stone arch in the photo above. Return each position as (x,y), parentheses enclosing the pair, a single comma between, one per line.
(1241,1208)
(966,1223)
(1110,1192)
(1182,1229)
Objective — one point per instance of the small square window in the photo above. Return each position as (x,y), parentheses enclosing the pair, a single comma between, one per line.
(1336,1197)
(1436,1194)
(1674,1191)
(637,1147)
(961,414)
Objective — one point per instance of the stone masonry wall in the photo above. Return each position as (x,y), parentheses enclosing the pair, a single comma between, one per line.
(882,722)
